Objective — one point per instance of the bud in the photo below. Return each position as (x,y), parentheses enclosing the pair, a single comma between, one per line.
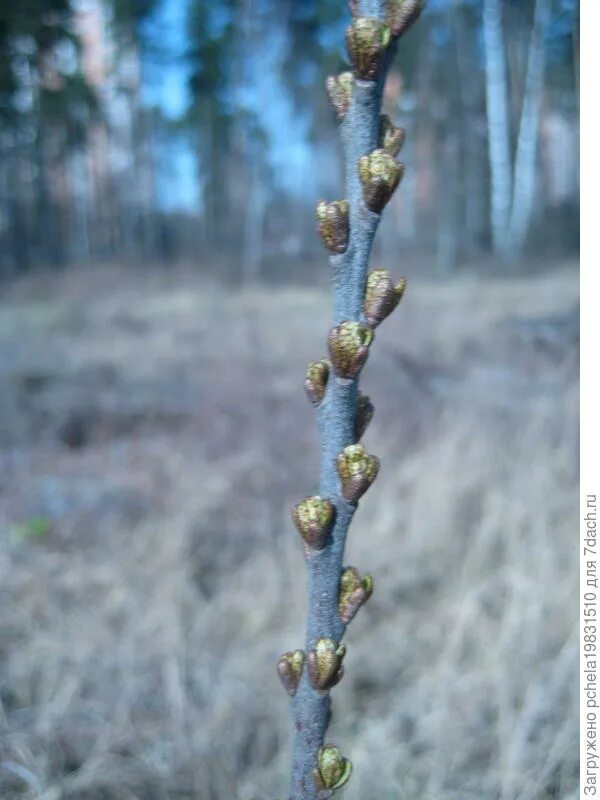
(357,471)
(348,345)
(391,138)
(314,518)
(381,296)
(354,592)
(379,175)
(324,664)
(339,92)
(367,40)
(333,225)
(289,669)
(333,770)
(315,383)
(364,415)
(402,13)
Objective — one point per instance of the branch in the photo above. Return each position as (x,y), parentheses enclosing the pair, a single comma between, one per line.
(360,302)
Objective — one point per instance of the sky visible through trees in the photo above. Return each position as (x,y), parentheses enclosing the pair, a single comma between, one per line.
(155,130)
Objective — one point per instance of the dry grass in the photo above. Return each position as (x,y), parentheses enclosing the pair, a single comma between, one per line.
(154,434)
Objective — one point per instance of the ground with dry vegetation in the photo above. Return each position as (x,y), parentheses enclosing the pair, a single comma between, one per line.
(154,435)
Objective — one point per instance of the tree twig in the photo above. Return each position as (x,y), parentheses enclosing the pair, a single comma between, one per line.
(360,302)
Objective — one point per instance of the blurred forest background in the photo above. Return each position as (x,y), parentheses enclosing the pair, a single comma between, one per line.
(156,131)
(162,290)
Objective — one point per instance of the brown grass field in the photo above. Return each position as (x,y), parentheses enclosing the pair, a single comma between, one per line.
(154,434)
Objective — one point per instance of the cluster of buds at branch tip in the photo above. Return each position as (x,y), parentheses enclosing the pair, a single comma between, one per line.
(381,296)
(379,174)
(339,92)
(315,382)
(348,345)
(354,593)
(401,14)
(332,771)
(324,664)
(364,415)
(367,40)
(333,225)
(314,518)
(391,138)
(289,669)
(357,470)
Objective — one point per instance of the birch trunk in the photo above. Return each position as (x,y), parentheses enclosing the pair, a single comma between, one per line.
(527,143)
(496,77)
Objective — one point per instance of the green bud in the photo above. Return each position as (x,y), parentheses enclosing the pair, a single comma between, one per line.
(333,770)
(357,471)
(381,296)
(324,664)
(391,138)
(348,345)
(339,92)
(354,592)
(379,175)
(333,225)
(289,669)
(315,383)
(314,518)
(367,40)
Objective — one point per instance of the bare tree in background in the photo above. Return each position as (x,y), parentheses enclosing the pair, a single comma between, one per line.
(498,123)
(512,182)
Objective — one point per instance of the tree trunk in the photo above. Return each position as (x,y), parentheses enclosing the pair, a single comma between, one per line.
(498,125)
(527,143)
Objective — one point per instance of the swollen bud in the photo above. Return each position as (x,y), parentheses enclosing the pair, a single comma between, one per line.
(324,664)
(367,40)
(348,345)
(402,13)
(364,415)
(314,518)
(391,138)
(289,669)
(357,471)
(333,770)
(339,92)
(333,225)
(315,382)
(381,296)
(354,593)
(379,175)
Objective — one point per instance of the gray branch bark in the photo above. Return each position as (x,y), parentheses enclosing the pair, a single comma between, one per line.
(336,422)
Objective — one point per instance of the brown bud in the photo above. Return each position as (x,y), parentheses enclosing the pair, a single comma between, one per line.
(314,518)
(339,92)
(315,383)
(379,175)
(401,14)
(348,345)
(391,138)
(354,592)
(332,770)
(367,40)
(324,664)
(364,415)
(357,471)
(333,225)
(289,669)
(381,296)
